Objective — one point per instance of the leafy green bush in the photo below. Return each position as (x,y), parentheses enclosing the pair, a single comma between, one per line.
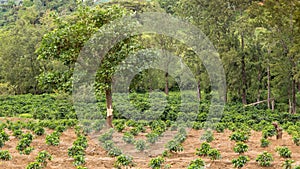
(4,155)
(81,141)
(106,136)
(197,164)
(39,131)
(288,164)
(265,159)
(53,138)
(75,150)
(214,154)
(239,136)
(114,152)
(134,131)
(240,148)
(140,145)
(152,137)
(269,131)
(123,161)
(27,150)
(34,165)
(240,161)
(174,146)
(120,127)
(128,138)
(18,133)
(296,140)
(207,136)
(156,163)
(264,142)
(284,152)
(79,160)
(203,150)
(43,157)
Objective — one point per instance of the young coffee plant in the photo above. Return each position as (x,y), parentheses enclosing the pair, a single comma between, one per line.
(4,155)
(43,157)
(239,136)
(207,136)
(240,161)
(53,138)
(214,154)
(265,159)
(79,160)
(264,142)
(123,161)
(174,146)
(152,137)
(197,164)
(203,150)
(34,165)
(287,164)
(284,152)
(114,152)
(296,140)
(27,150)
(269,131)
(106,136)
(76,150)
(128,138)
(39,131)
(156,163)
(240,148)
(140,145)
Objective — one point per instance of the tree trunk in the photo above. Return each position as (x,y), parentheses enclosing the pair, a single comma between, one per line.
(167,83)
(109,115)
(244,78)
(269,88)
(199,90)
(293,96)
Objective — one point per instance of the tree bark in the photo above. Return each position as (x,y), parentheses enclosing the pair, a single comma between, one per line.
(269,88)
(109,115)
(244,78)
(294,97)
(167,83)
(199,90)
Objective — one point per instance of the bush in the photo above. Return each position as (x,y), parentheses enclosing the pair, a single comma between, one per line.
(128,138)
(156,163)
(140,145)
(75,150)
(269,131)
(42,157)
(288,164)
(207,136)
(203,150)
(79,160)
(18,133)
(28,150)
(240,148)
(106,136)
(296,140)
(264,142)
(81,141)
(4,155)
(265,159)
(114,152)
(239,136)
(53,139)
(284,152)
(120,127)
(39,131)
(34,165)
(197,164)
(123,161)
(240,161)
(214,154)
(134,131)
(152,137)
(174,146)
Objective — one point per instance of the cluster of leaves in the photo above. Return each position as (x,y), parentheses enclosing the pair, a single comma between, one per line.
(265,159)
(77,151)
(24,144)
(53,138)
(40,161)
(4,155)
(284,152)
(264,142)
(156,163)
(197,164)
(175,145)
(3,138)
(207,136)
(239,136)
(240,161)
(240,148)
(124,161)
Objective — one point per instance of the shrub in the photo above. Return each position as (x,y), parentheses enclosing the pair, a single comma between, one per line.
(240,148)
(27,150)
(4,155)
(128,138)
(4,136)
(174,146)
(114,152)
(140,145)
(81,167)
(18,133)
(152,137)
(120,127)
(239,136)
(296,140)
(34,165)
(79,160)
(288,164)
(81,141)
(60,128)
(220,127)
(197,164)
(53,139)
(214,154)
(284,152)
(269,131)
(134,131)
(106,136)
(207,136)
(265,159)
(39,131)
(123,161)
(264,142)
(156,163)
(75,150)
(42,157)
(240,161)
(203,150)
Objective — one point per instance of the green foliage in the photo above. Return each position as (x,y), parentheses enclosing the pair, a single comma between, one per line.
(34,165)
(128,138)
(39,131)
(114,152)
(240,148)
(28,150)
(53,138)
(174,146)
(264,142)
(123,161)
(284,152)
(214,154)
(269,131)
(156,163)
(152,137)
(43,157)
(75,150)
(203,150)
(287,164)
(140,145)
(106,136)
(79,160)
(296,140)
(240,161)
(239,136)
(4,155)
(265,159)
(197,164)
(207,136)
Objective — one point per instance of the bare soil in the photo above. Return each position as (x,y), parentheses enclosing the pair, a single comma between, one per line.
(96,156)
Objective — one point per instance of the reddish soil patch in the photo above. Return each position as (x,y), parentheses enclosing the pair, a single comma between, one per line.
(96,157)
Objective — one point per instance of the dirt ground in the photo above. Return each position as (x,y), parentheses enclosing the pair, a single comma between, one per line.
(96,157)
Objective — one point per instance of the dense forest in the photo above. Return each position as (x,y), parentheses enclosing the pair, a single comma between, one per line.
(258,42)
